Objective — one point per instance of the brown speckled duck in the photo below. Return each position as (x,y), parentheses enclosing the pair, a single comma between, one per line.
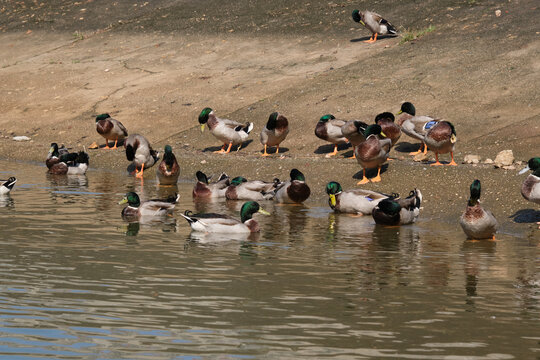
(110,129)
(328,128)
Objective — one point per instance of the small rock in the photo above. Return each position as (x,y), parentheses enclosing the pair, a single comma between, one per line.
(93,145)
(420,157)
(509,167)
(203,162)
(471,159)
(498,13)
(504,158)
(21,138)
(488,161)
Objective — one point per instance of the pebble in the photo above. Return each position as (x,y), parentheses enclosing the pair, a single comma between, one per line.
(471,159)
(21,138)
(504,158)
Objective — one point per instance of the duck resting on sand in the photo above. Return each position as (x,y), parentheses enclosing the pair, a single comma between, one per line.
(228,131)
(374,23)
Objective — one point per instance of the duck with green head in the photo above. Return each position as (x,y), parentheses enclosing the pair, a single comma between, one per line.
(415,126)
(373,152)
(356,201)
(530,189)
(151,208)
(54,154)
(257,190)
(374,23)
(168,170)
(386,121)
(140,152)
(478,223)
(397,211)
(203,189)
(110,129)
(274,132)
(294,191)
(218,223)
(228,131)
(328,128)
(71,164)
(441,139)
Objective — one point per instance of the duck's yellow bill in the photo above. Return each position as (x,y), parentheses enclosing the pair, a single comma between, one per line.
(453,139)
(264,212)
(123,201)
(399,112)
(51,150)
(202,127)
(383,134)
(332,200)
(363,23)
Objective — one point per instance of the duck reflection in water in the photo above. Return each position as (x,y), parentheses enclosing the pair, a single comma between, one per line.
(477,255)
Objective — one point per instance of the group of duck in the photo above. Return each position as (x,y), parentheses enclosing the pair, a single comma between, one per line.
(372,144)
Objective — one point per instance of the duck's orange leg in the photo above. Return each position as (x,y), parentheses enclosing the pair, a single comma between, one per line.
(277,149)
(222,150)
(452,163)
(364,180)
(378,177)
(436,163)
(115,142)
(106,145)
(334,152)
(420,150)
(139,174)
(265,153)
(373,38)
(370,39)
(229,148)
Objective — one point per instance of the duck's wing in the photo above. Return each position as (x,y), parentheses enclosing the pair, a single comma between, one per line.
(120,126)
(230,123)
(374,195)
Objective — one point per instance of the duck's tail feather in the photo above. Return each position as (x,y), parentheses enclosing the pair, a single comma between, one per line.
(390,27)
(10,183)
(186,215)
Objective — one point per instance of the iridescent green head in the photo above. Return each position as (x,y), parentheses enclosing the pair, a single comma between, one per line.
(407,108)
(238,180)
(389,207)
(250,208)
(203,116)
(102,117)
(475,192)
(534,165)
(384,116)
(333,187)
(272,121)
(374,129)
(297,175)
(357,16)
(132,199)
(326,117)
(53,150)
(201,177)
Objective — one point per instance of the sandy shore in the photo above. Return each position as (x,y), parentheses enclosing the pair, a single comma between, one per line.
(157,67)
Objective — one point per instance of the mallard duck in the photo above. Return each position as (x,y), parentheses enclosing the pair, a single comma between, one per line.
(357,201)
(396,211)
(241,189)
(374,23)
(71,164)
(441,138)
(530,189)
(476,222)
(328,128)
(139,151)
(204,190)
(415,126)
(390,129)
(228,131)
(168,170)
(155,207)
(353,130)
(218,223)
(54,154)
(110,129)
(294,190)
(373,152)
(7,185)
(274,132)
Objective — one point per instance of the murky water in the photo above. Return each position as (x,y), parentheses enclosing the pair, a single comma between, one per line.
(79,282)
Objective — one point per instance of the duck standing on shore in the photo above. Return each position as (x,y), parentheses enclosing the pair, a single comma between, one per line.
(274,132)
(415,126)
(110,129)
(373,152)
(374,23)
(139,151)
(441,139)
(228,131)
(328,128)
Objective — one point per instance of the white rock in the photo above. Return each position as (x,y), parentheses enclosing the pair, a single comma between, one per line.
(471,159)
(488,161)
(504,158)
(21,138)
